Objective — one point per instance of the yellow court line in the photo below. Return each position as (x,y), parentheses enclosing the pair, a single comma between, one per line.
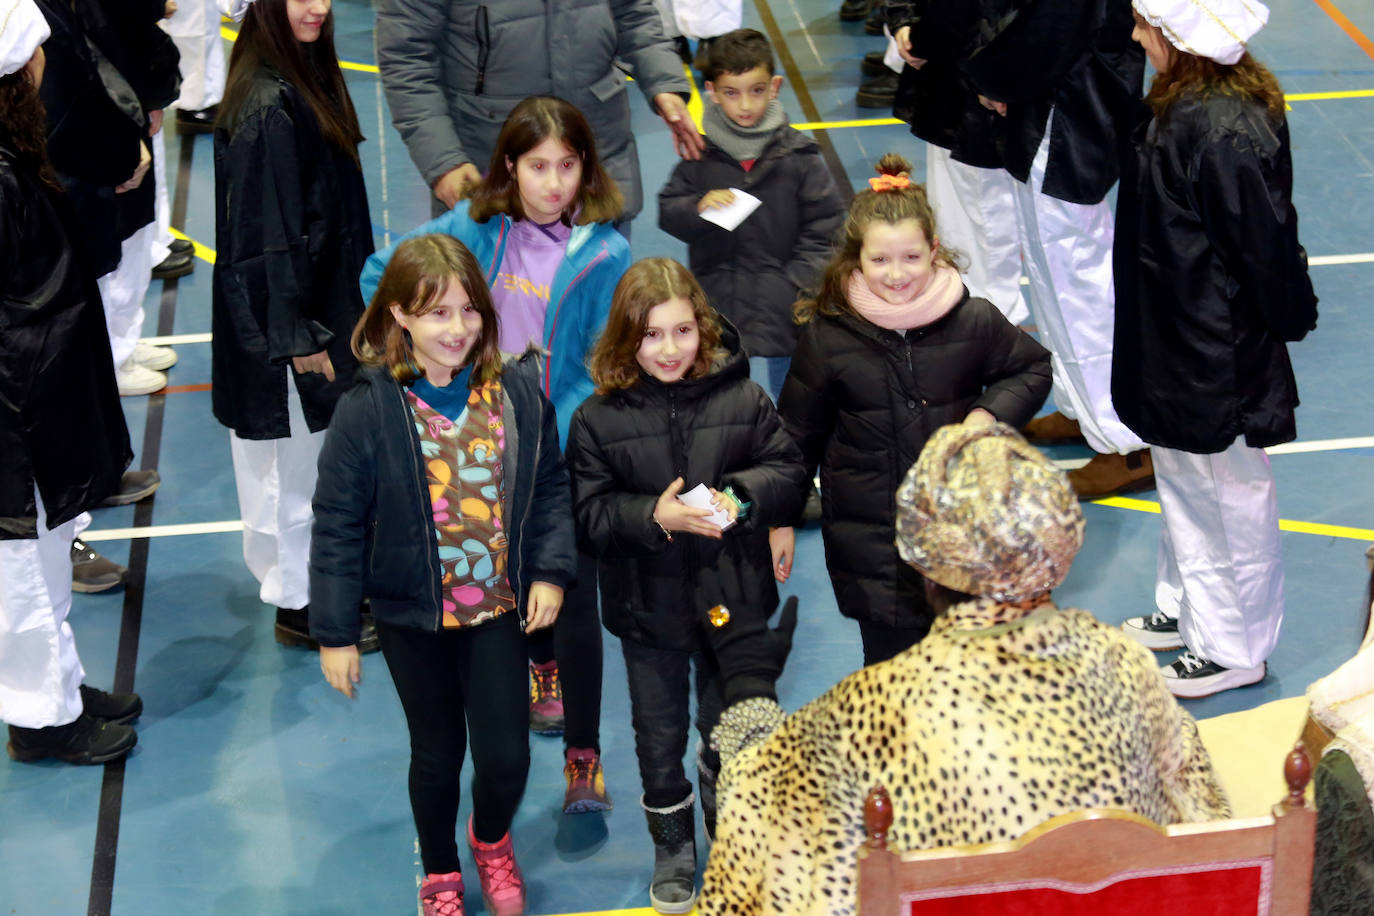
(835,125)
(203,252)
(1334,531)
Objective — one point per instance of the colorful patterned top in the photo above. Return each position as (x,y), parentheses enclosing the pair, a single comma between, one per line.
(463,467)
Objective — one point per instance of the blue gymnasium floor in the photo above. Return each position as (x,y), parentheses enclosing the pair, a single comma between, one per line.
(255,789)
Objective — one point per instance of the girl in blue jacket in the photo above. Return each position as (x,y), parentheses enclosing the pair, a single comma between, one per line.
(541,226)
(444,499)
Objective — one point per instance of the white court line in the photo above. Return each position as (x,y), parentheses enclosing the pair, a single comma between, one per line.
(1327,260)
(1288,448)
(174,339)
(161,531)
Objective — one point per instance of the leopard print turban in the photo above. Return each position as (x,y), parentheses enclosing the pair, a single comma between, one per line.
(983,512)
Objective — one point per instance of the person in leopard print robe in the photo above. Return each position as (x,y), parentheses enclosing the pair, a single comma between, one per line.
(1010,712)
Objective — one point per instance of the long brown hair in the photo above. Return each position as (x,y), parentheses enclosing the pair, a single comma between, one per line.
(648,283)
(24,125)
(1202,76)
(871,206)
(416,278)
(536,119)
(265,37)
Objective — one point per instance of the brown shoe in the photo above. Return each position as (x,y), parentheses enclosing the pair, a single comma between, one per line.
(1112,475)
(1052,429)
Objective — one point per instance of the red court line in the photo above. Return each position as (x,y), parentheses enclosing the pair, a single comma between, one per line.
(1347,26)
(183,389)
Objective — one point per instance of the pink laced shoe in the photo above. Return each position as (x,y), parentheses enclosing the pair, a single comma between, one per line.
(442,895)
(503,887)
(546,699)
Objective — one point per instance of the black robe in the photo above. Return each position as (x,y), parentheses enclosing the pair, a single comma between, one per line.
(292,232)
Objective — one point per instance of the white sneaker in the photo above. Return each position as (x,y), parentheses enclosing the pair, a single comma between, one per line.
(1191,676)
(1159,631)
(135,379)
(153,357)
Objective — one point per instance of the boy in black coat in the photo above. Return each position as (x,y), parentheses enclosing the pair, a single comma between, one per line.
(753,274)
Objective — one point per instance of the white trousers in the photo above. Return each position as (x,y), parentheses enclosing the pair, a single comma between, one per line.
(276,481)
(195,30)
(122,291)
(162,236)
(1068,260)
(975,213)
(40,673)
(1220,561)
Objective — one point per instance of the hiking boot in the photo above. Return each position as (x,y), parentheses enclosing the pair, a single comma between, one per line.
(673,887)
(442,895)
(1159,631)
(92,572)
(133,486)
(1112,475)
(1052,429)
(114,708)
(503,887)
(586,782)
(879,92)
(874,65)
(1191,676)
(85,741)
(293,629)
(546,699)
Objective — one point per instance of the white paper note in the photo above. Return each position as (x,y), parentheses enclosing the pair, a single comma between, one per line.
(699,497)
(731,215)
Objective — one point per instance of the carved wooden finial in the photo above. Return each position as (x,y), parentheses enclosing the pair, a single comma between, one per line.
(1297,770)
(877,817)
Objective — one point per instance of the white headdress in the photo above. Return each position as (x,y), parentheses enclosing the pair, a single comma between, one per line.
(22,30)
(1217,29)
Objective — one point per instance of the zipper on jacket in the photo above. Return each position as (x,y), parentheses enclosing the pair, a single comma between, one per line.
(546,377)
(525,513)
(432,540)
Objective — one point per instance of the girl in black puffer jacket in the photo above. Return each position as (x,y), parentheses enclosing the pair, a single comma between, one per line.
(891,349)
(675,408)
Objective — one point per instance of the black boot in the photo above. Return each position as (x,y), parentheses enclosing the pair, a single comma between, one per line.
(674,885)
(85,741)
(706,789)
(874,65)
(115,708)
(879,92)
(293,629)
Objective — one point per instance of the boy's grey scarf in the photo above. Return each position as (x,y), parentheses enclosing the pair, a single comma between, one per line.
(742,143)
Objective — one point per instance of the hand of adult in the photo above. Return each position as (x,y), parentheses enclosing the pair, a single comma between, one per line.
(145,159)
(541,610)
(154,122)
(456,184)
(342,667)
(782,544)
(903,39)
(674,515)
(687,140)
(990,105)
(315,362)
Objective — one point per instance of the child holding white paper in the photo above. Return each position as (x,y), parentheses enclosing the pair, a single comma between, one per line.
(674,408)
(754,272)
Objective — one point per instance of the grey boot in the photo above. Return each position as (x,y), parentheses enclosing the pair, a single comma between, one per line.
(674,885)
(706,790)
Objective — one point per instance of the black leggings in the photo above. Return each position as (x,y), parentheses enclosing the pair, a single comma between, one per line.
(575,640)
(451,684)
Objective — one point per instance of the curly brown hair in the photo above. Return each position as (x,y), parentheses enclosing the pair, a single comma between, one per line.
(871,206)
(649,283)
(1190,74)
(24,125)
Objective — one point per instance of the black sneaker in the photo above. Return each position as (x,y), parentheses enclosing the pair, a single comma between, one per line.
(293,629)
(133,486)
(115,708)
(873,64)
(92,572)
(1159,631)
(1191,676)
(88,740)
(879,92)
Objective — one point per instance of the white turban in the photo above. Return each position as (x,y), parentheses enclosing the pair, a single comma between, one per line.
(1217,29)
(22,30)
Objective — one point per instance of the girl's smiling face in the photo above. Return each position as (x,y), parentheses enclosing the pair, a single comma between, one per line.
(548,178)
(896,259)
(307,18)
(442,338)
(671,339)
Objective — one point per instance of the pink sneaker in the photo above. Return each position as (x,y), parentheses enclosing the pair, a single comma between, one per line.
(503,887)
(442,895)
(546,699)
